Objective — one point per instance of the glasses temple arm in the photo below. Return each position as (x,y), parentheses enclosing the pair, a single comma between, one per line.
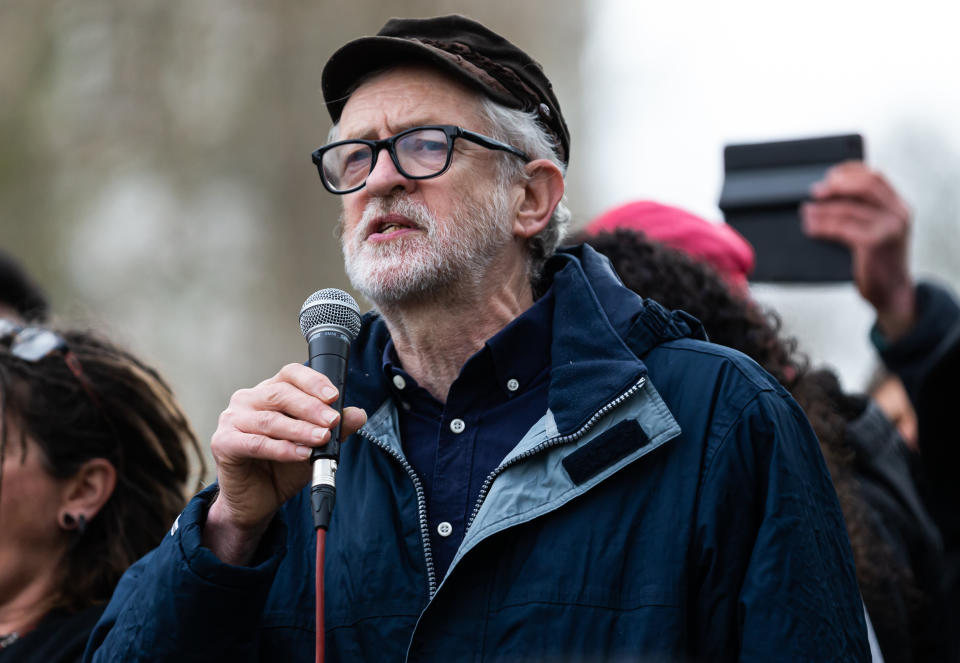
(490,143)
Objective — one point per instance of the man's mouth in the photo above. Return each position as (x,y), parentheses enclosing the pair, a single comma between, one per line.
(389,224)
(388,228)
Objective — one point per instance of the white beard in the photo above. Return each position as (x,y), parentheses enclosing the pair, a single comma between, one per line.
(452,253)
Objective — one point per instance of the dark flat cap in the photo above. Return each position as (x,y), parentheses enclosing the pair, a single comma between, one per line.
(456,45)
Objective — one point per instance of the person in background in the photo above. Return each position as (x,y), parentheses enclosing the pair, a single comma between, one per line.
(95,459)
(714,244)
(916,333)
(887,390)
(20,298)
(686,262)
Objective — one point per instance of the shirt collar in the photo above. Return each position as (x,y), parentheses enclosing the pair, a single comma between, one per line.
(521,350)
(518,352)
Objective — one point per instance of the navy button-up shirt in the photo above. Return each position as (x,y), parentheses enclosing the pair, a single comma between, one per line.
(500,393)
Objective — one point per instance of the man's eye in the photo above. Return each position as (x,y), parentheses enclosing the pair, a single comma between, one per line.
(425,146)
(356,157)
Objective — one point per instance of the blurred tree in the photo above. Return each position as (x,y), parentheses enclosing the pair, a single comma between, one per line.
(155,171)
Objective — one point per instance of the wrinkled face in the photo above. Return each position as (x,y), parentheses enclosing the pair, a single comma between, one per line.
(410,239)
(31,538)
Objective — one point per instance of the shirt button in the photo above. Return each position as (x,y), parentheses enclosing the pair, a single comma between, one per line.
(457,426)
(512,384)
(444,529)
(399,382)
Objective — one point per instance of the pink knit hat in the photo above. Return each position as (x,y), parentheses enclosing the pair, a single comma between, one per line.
(717,244)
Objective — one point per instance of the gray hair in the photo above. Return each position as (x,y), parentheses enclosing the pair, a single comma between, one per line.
(521,130)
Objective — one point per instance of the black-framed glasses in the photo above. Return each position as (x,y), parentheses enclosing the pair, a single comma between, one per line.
(33,344)
(418,153)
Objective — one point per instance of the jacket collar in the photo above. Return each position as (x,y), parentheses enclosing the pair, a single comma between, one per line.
(601,330)
(590,362)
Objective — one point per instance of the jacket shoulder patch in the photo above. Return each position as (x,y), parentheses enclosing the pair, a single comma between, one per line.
(604,450)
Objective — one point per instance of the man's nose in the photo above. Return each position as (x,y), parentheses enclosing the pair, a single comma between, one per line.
(385,178)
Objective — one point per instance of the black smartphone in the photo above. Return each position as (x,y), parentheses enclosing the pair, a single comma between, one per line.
(763,187)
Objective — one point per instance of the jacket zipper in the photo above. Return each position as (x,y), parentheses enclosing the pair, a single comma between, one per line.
(421,509)
(553,441)
(560,439)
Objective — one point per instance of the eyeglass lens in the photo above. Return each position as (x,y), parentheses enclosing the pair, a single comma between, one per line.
(419,153)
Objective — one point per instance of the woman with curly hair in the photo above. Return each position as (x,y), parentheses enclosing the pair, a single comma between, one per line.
(95,458)
(701,268)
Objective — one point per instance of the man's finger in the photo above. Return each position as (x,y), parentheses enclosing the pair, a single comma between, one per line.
(279,426)
(290,400)
(246,446)
(307,380)
(353,419)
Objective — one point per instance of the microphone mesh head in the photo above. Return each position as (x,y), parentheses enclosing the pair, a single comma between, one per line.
(330,307)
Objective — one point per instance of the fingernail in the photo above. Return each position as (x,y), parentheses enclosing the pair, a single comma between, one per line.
(302,451)
(319,433)
(329,393)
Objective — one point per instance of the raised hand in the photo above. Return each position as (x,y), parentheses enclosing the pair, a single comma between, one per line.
(858,207)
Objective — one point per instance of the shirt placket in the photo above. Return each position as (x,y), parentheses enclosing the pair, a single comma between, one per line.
(448,504)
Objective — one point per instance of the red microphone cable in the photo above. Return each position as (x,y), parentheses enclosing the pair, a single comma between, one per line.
(321,550)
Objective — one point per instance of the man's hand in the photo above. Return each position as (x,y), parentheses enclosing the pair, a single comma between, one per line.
(261,446)
(857,207)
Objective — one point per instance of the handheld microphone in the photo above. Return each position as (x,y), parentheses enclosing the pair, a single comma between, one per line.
(330,321)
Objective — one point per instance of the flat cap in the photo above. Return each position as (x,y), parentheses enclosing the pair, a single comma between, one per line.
(456,45)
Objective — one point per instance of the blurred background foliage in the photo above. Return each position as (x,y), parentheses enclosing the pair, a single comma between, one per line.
(155,171)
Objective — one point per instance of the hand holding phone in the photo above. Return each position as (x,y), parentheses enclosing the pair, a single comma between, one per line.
(857,207)
(764,186)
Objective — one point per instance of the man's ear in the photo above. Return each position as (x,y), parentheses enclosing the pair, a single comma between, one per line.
(85,493)
(540,196)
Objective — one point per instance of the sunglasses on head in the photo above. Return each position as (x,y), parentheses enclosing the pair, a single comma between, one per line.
(33,344)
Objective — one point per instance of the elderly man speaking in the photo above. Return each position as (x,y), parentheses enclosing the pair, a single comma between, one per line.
(541,466)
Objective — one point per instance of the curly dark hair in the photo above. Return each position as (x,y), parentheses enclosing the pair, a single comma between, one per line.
(677,281)
(125,414)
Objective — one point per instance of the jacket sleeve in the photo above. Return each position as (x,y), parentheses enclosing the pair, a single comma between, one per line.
(910,357)
(181,603)
(770,532)
(926,360)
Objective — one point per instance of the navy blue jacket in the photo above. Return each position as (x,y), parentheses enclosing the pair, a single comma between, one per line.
(670,505)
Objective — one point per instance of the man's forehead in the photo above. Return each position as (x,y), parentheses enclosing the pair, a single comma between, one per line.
(407,96)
